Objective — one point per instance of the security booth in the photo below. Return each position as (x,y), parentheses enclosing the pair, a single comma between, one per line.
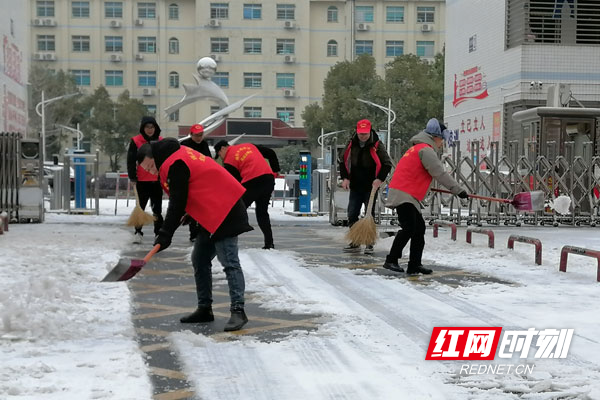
(338,197)
(31,195)
(304,198)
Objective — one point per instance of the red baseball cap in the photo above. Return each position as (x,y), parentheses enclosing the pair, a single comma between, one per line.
(196,128)
(363,126)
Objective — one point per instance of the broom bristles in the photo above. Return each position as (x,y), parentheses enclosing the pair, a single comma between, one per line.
(363,232)
(139,218)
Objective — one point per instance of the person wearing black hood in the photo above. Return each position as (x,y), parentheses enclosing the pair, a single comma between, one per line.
(146,184)
(202,190)
(364,164)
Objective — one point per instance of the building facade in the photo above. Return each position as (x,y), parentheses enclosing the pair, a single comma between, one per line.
(279,50)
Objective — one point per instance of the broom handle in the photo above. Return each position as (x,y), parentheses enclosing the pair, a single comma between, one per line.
(152,252)
(137,198)
(371,201)
(475,196)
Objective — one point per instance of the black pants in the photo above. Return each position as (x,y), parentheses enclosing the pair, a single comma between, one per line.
(151,190)
(355,203)
(413,229)
(258,191)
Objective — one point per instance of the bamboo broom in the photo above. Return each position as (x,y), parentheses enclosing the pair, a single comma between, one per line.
(365,230)
(139,217)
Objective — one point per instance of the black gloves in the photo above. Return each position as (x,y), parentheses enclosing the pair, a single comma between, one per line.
(163,239)
(463,195)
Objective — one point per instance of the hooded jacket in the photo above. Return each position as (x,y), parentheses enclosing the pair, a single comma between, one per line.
(132,167)
(362,165)
(181,180)
(415,171)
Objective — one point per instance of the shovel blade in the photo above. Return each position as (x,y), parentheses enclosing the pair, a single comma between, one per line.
(124,270)
(529,201)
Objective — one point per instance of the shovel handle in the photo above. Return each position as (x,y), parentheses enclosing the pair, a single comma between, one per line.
(152,252)
(475,196)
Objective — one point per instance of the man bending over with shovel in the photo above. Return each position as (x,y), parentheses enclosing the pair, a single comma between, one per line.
(202,190)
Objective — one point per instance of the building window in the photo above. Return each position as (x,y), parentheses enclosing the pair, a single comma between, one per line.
(151,109)
(173,80)
(113,78)
(426,14)
(81,43)
(113,44)
(214,109)
(82,76)
(286,81)
(253,46)
(252,11)
(147,10)
(394,48)
(173,46)
(286,114)
(364,13)
(285,46)
(364,47)
(45,8)
(332,14)
(425,49)
(173,11)
(472,43)
(80,9)
(221,79)
(113,9)
(219,10)
(174,116)
(394,14)
(332,47)
(219,45)
(147,78)
(147,44)
(252,79)
(252,112)
(46,43)
(286,11)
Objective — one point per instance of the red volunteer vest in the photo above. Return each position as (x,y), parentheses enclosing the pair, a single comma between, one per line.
(410,176)
(142,174)
(248,160)
(212,191)
(372,150)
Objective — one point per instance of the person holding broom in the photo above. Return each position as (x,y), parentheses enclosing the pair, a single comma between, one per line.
(196,142)
(364,165)
(200,189)
(145,184)
(409,185)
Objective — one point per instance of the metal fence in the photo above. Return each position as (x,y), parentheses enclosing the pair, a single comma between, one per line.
(9,173)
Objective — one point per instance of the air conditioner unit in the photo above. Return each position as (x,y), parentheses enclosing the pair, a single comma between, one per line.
(426,28)
(289,59)
(115,57)
(216,57)
(148,92)
(289,24)
(139,57)
(115,24)
(214,23)
(38,56)
(48,22)
(38,22)
(50,57)
(362,27)
(289,93)
(139,22)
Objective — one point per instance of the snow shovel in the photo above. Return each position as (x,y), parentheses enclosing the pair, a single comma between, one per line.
(365,230)
(525,201)
(127,269)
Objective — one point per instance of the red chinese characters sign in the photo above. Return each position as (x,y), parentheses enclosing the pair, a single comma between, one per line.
(470,85)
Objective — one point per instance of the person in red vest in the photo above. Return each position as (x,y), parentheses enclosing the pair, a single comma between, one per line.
(196,142)
(410,183)
(200,189)
(248,164)
(365,163)
(146,184)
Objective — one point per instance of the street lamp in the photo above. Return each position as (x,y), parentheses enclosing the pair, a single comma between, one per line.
(77,132)
(390,114)
(42,114)
(320,140)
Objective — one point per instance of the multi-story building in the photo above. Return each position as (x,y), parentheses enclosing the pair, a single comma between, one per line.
(279,50)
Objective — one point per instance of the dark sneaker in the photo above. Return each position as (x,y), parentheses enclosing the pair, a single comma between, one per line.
(202,314)
(268,246)
(236,321)
(393,267)
(369,249)
(352,248)
(418,270)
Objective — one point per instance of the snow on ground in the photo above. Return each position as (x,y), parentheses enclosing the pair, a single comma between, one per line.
(63,335)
